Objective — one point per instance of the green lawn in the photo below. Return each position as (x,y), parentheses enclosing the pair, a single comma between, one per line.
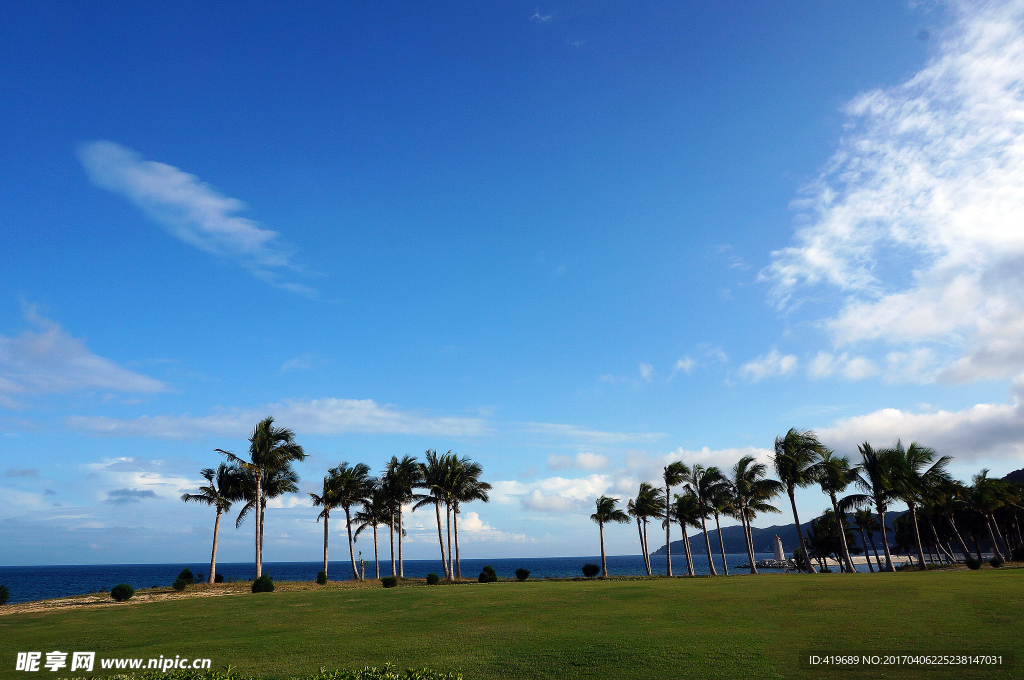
(740,627)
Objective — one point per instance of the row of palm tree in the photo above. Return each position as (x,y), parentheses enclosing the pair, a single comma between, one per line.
(444,481)
(916,476)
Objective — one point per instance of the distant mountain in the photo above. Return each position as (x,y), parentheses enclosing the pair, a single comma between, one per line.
(764,539)
(1015,476)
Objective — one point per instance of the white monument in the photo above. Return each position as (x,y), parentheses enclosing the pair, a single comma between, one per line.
(779,555)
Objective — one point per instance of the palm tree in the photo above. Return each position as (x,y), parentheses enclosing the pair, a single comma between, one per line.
(917,472)
(269,447)
(375,512)
(673,475)
(752,492)
(353,486)
(648,504)
(220,492)
(878,476)
(867,523)
(402,477)
(277,481)
(328,500)
(704,483)
(985,498)
(434,476)
(794,454)
(607,512)
(467,488)
(721,500)
(833,473)
(686,511)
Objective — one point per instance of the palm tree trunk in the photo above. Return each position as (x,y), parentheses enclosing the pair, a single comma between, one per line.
(448,519)
(746,536)
(401,530)
(668,530)
(647,551)
(213,556)
(351,545)
(707,545)
(391,527)
(999,532)
(643,553)
(977,546)
(326,516)
(841,525)
(800,534)
(259,543)
(721,544)
(938,542)
(917,535)
(686,549)
(960,539)
(458,561)
(874,549)
(885,539)
(376,560)
(867,557)
(440,538)
(604,562)
(992,537)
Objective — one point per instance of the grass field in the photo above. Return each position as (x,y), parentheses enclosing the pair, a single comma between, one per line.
(740,627)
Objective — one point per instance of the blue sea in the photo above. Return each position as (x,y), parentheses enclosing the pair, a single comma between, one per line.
(46,582)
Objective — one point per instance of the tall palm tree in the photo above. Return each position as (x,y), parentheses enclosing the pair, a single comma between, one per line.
(686,511)
(466,488)
(434,476)
(219,492)
(402,477)
(867,523)
(985,497)
(607,512)
(673,475)
(794,454)
(704,483)
(269,447)
(918,471)
(722,501)
(353,486)
(833,473)
(752,492)
(328,500)
(878,475)
(374,513)
(948,497)
(648,503)
(277,481)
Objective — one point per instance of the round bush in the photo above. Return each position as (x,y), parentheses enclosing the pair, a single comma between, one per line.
(522,574)
(487,575)
(186,575)
(973,563)
(996,562)
(4,594)
(180,584)
(591,570)
(122,592)
(218,578)
(264,584)
(321,577)
(433,579)
(389,581)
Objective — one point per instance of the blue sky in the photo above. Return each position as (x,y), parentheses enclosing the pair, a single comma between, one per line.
(570,242)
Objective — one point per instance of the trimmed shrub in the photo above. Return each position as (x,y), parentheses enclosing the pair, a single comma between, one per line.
(122,592)
(4,594)
(522,574)
(590,570)
(973,563)
(186,575)
(1017,554)
(180,584)
(389,581)
(487,575)
(218,578)
(996,562)
(321,577)
(433,579)
(264,584)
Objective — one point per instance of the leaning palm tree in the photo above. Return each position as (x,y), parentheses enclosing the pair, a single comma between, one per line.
(434,476)
(794,454)
(648,503)
(878,476)
(704,483)
(269,447)
(752,492)
(220,492)
(402,477)
(985,497)
(353,486)
(673,475)
(833,473)
(919,471)
(607,512)
(866,522)
(686,511)
(466,488)
(374,513)
(328,500)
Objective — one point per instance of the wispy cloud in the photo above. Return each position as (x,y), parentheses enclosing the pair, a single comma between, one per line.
(582,460)
(769,365)
(541,18)
(825,365)
(124,496)
(316,416)
(191,210)
(917,216)
(684,365)
(49,361)
(21,472)
(579,434)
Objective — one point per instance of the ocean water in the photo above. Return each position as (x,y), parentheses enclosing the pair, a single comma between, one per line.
(51,581)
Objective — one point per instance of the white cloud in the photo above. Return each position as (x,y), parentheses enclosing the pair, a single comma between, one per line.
(852,368)
(573,432)
(684,365)
(49,361)
(917,217)
(768,365)
(190,209)
(541,18)
(539,501)
(650,468)
(316,416)
(578,488)
(646,371)
(582,460)
(473,528)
